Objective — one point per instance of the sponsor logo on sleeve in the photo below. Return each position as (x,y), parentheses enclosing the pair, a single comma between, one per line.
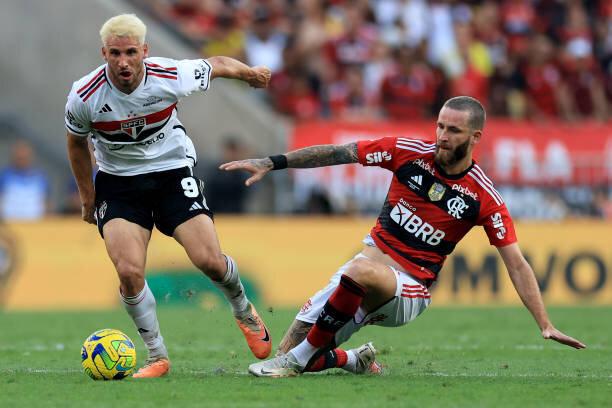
(377,157)
(72,120)
(498,224)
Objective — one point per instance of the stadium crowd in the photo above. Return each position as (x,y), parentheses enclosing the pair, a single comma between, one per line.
(399,59)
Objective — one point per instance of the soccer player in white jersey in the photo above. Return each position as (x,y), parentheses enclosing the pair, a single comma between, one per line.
(145,178)
(438,193)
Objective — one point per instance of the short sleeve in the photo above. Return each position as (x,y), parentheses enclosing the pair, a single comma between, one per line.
(378,152)
(498,225)
(76,115)
(193,75)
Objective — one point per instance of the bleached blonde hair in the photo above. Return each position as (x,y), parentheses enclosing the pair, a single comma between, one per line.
(124,25)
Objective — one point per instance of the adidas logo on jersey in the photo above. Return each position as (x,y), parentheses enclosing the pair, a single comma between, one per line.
(105,109)
(195,206)
(416,182)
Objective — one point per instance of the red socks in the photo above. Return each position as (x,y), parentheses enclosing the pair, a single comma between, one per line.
(339,309)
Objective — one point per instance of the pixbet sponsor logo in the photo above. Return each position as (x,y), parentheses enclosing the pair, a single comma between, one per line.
(465,190)
(425,166)
(377,157)
(403,214)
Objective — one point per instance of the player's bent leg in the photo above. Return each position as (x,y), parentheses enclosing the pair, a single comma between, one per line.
(363,283)
(312,311)
(126,243)
(199,238)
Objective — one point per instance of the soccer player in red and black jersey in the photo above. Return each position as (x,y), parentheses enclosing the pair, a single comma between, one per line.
(438,193)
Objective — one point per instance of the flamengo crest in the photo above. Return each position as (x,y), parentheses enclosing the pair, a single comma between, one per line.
(456,207)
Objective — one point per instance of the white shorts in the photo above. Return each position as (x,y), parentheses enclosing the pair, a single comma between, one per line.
(410,300)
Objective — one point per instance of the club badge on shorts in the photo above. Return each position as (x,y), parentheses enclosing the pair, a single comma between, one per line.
(436,192)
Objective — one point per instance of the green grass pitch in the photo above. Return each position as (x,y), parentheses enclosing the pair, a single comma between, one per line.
(448,357)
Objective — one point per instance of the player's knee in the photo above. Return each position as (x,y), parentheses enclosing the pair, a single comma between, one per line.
(129,272)
(362,271)
(214,266)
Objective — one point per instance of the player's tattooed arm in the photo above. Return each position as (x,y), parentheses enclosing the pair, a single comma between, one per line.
(322,155)
(295,335)
(308,157)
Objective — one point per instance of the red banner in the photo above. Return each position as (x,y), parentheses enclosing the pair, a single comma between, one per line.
(549,153)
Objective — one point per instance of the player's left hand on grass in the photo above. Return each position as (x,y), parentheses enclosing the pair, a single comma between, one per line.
(261,77)
(257,167)
(554,334)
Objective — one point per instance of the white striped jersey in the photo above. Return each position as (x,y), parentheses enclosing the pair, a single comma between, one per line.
(139,132)
(427,212)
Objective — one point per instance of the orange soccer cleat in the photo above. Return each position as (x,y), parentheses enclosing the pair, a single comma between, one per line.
(255,332)
(154,368)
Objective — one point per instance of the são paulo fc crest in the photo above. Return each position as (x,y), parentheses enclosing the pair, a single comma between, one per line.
(133,127)
(436,192)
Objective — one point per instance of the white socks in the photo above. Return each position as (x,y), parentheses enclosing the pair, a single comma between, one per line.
(232,287)
(303,352)
(142,310)
(351,361)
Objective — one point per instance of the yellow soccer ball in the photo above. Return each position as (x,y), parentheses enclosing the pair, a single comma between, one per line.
(108,354)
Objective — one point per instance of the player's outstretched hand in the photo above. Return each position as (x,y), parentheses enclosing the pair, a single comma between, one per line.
(257,167)
(556,335)
(261,77)
(88,213)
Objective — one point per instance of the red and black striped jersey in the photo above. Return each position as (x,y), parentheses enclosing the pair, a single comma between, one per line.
(427,212)
(139,132)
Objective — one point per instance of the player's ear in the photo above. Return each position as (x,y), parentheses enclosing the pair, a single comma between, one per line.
(476,136)
(103,51)
(145,50)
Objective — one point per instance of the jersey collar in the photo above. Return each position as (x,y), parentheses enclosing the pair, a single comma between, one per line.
(135,91)
(454,176)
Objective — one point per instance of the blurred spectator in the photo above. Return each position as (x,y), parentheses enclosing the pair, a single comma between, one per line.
(535,59)
(24,189)
(225,191)
(410,92)
(603,204)
(264,42)
(585,81)
(348,99)
(547,93)
(294,89)
(227,39)
(318,203)
(355,46)
(475,67)
(194,18)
